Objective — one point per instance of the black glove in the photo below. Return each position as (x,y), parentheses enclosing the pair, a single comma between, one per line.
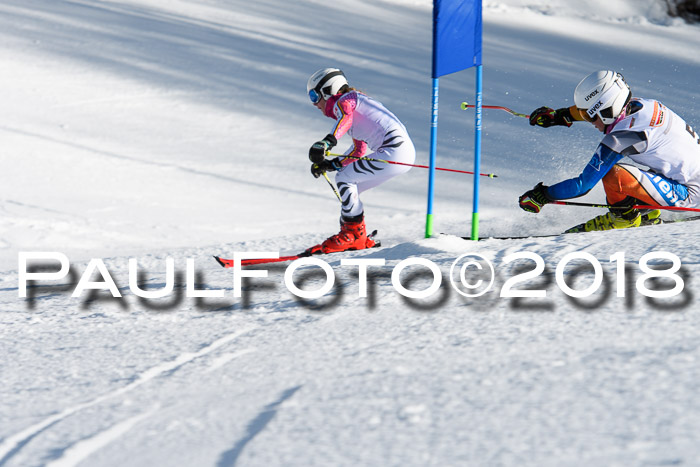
(326,166)
(546,117)
(533,200)
(318,150)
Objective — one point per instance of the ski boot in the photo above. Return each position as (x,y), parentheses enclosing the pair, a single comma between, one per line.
(352,236)
(612,220)
(652,217)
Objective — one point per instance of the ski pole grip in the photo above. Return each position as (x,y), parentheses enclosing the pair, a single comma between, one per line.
(317,157)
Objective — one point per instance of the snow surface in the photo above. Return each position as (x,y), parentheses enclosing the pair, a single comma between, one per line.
(157,129)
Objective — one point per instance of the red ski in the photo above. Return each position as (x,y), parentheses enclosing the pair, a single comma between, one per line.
(228,263)
(313,251)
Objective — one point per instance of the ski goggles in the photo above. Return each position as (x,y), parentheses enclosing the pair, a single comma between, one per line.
(314,96)
(604,113)
(587,117)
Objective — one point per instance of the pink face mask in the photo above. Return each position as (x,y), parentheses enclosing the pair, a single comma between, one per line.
(610,127)
(328,111)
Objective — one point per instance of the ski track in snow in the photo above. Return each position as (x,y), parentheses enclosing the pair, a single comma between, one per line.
(81,450)
(14,442)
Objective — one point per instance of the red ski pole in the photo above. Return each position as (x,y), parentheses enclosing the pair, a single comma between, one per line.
(466,106)
(636,206)
(410,165)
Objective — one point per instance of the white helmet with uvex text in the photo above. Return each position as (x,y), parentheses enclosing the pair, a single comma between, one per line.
(325,83)
(603,93)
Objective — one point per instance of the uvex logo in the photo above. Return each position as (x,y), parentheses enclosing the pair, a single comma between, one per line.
(588,97)
(592,110)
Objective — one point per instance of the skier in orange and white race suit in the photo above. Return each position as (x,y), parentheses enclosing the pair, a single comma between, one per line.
(645,131)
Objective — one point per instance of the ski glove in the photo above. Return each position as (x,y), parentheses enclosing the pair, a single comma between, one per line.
(546,117)
(319,148)
(533,200)
(326,166)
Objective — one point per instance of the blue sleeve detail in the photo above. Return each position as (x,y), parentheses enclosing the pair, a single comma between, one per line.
(601,162)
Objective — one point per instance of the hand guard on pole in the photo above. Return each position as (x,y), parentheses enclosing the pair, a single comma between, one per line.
(546,117)
(318,150)
(533,200)
(326,166)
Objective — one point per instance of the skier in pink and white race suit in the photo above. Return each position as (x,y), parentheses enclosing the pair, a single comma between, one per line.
(371,126)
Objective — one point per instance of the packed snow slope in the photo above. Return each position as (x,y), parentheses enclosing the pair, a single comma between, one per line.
(158,129)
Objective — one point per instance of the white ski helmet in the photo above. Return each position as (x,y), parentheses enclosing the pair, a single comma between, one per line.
(603,93)
(325,83)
